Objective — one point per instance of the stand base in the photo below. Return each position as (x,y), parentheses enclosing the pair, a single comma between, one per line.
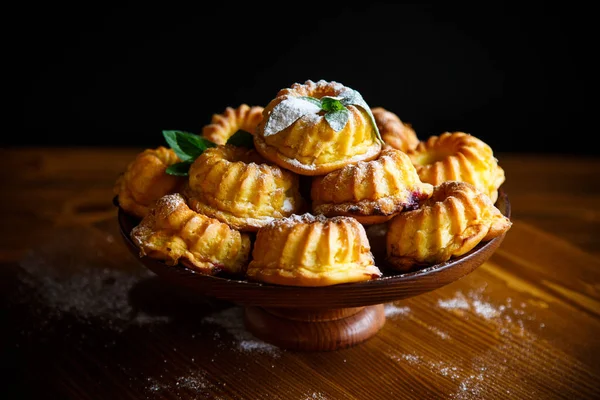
(314,330)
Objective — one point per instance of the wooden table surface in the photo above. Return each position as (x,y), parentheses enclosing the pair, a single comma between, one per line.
(83,319)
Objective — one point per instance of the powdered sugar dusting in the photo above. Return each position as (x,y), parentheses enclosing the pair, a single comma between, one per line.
(300,165)
(193,381)
(458,302)
(88,292)
(232,320)
(392,310)
(167,204)
(315,396)
(469,380)
(287,112)
(294,219)
(507,316)
(438,332)
(287,205)
(308,218)
(471,375)
(486,310)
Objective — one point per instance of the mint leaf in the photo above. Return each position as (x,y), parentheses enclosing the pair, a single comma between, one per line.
(187,146)
(337,115)
(242,139)
(329,103)
(352,97)
(289,111)
(179,169)
(338,119)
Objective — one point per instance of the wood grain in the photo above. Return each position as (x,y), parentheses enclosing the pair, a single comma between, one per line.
(315,330)
(83,319)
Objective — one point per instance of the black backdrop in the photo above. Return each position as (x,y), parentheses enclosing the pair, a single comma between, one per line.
(514,76)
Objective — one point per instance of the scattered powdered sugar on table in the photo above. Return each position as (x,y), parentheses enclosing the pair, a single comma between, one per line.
(315,396)
(507,316)
(486,310)
(438,332)
(391,310)
(471,374)
(232,320)
(469,380)
(458,302)
(194,381)
(81,287)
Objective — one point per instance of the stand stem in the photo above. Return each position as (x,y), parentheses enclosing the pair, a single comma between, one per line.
(315,330)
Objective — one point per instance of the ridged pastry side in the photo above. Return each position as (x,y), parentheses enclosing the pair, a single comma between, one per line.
(370,191)
(145,180)
(394,132)
(455,219)
(308,250)
(223,126)
(458,156)
(310,146)
(173,233)
(238,187)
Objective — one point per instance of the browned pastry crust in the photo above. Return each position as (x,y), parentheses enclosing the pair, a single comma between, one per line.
(223,126)
(458,156)
(394,132)
(309,146)
(370,191)
(145,180)
(308,250)
(238,187)
(455,219)
(173,233)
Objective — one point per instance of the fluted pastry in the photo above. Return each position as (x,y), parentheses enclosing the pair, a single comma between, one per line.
(310,146)
(223,126)
(238,187)
(394,132)
(145,180)
(370,191)
(455,219)
(458,156)
(173,233)
(309,250)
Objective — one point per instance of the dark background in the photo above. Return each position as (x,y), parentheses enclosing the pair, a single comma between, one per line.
(514,75)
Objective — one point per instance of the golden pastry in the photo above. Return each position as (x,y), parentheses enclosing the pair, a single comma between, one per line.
(317,127)
(394,132)
(308,250)
(370,191)
(145,180)
(455,219)
(223,126)
(173,233)
(458,156)
(237,186)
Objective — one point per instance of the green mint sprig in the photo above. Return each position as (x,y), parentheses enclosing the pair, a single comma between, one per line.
(335,111)
(242,139)
(188,146)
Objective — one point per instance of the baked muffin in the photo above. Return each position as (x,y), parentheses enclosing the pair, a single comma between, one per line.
(237,186)
(455,219)
(317,127)
(173,233)
(370,191)
(458,156)
(308,250)
(145,180)
(394,132)
(223,126)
